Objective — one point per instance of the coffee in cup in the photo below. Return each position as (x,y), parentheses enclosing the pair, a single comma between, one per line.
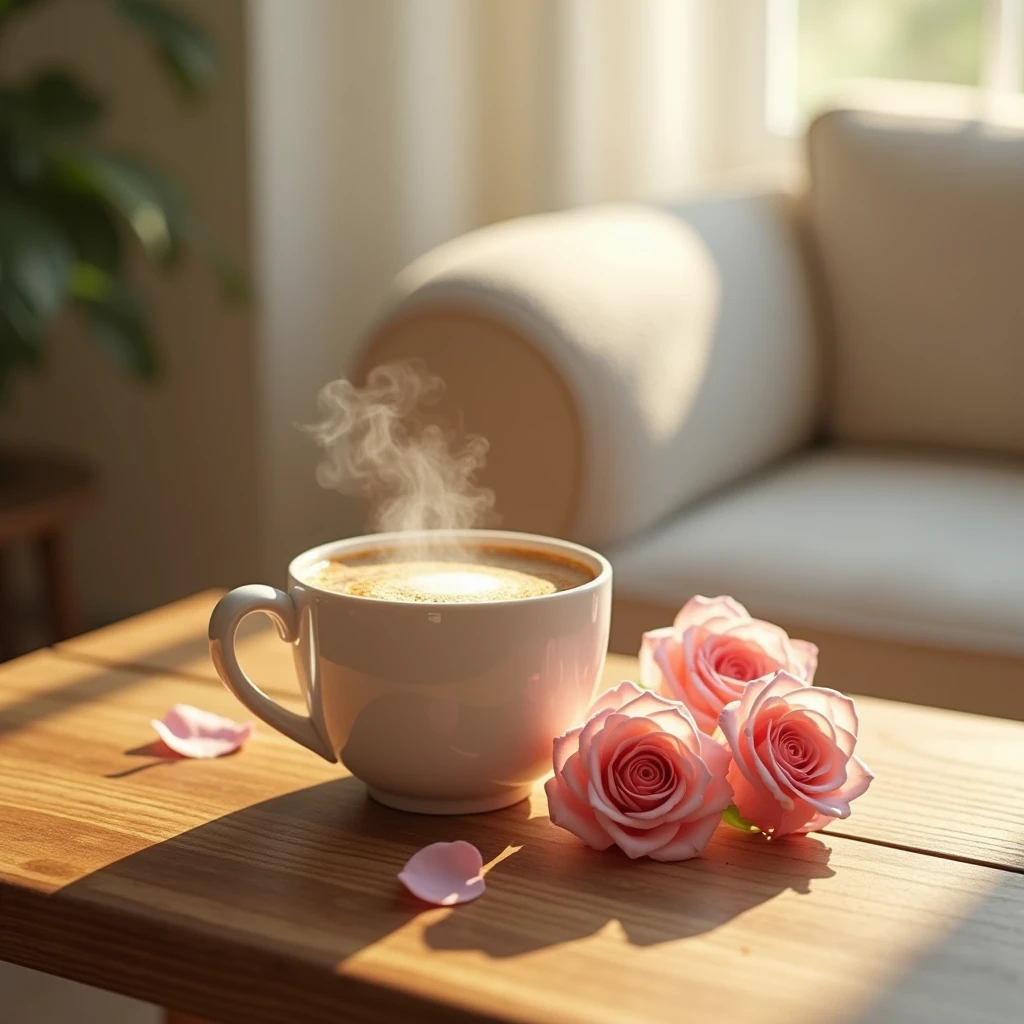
(438,575)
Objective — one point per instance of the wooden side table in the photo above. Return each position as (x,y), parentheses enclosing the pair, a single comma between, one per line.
(261,887)
(41,496)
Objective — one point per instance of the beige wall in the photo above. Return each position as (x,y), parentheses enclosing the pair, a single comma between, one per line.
(177,509)
(378,129)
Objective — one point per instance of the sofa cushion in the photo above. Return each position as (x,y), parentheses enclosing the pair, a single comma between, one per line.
(919,226)
(915,549)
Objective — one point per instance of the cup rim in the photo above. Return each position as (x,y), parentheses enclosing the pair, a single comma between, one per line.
(531,541)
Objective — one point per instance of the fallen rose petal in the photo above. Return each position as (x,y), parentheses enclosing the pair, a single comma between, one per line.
(445,873)
(193,732)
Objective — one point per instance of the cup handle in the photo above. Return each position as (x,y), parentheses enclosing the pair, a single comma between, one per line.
(224,622)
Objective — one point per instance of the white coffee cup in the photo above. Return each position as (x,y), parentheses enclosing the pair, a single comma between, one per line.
(438,708)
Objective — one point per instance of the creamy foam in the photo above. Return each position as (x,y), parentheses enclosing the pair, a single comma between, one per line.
(499,574)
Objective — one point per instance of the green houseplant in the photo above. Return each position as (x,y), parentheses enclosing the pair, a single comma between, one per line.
(68,205)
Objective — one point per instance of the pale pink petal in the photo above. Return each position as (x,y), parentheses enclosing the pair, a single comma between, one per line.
(845,741)
(670,665)
(677,721)
(618,730)
(805,655)
(834,805)
(690,839)
(731,725)
(798,804)
(858,778)
(646,703)
(715,755)
(613,699)
(818,822)
(693,690)
(565,746)
(445,873)
(574,815)
(653,674)
(592,728)
(773,692)
(751,694)
(731,660)
(694,779)
(698,610)
(693,802)
(718,689)
(778,685)
(760,806)
(793,821)
(708,790)
(606,811)
(643,842)
(835,706)
(718,795)
(193,732)
(793,782)
(772,639)
(573,775)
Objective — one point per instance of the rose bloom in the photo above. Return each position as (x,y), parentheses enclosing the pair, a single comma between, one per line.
(713,649)
(793,767)
(639,774)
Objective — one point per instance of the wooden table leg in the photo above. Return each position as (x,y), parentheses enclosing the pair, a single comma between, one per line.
(64,617)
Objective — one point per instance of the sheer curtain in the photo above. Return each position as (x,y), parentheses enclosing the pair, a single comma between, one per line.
(382,128)
(518,106)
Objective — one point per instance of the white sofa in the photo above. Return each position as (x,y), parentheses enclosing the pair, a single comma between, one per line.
(811,401)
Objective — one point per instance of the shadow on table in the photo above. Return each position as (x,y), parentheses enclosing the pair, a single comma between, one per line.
(87,686)
(188,656)
(554,890)
(978,963)
(317,868)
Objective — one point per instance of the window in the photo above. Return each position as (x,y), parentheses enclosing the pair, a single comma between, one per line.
(815,47)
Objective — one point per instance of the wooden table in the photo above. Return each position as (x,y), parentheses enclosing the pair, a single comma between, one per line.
(41,497)
(261,887)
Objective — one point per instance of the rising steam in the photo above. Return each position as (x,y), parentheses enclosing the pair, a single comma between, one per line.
(415,474)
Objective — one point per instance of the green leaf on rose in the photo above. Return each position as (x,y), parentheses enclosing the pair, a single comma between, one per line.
(731,816)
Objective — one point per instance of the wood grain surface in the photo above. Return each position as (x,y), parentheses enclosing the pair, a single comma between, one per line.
(261,887)
(946,782)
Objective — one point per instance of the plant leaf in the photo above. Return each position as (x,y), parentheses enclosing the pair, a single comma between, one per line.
(154,206)
(118,321)
(57,101)
(12,6)
(90,283)
(731,816)
(185,49)
(88,223)
(35,269)
(22,145)
(233,281)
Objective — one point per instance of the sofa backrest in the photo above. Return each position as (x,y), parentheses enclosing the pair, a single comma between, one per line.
(918,224)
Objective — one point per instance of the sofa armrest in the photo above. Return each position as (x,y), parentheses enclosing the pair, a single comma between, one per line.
(621,360)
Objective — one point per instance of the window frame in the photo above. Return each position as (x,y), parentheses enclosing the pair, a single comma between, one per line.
(777,27)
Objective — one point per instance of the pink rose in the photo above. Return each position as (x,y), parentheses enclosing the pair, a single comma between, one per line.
(640,774)
(793,767)
(714,648)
